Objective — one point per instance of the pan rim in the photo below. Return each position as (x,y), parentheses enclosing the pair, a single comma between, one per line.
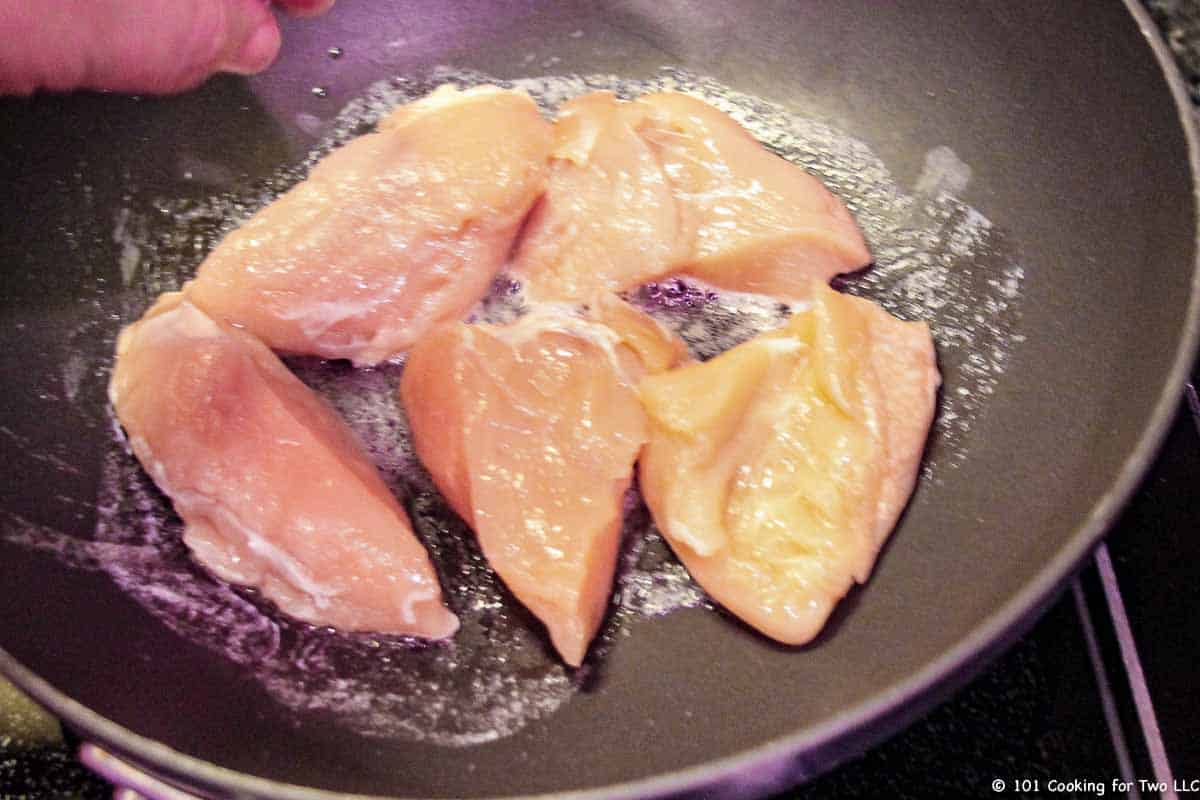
(889,708)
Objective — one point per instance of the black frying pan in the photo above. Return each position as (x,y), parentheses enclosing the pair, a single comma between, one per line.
(1081,157)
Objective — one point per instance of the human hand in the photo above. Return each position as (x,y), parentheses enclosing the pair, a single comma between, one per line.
(151,46)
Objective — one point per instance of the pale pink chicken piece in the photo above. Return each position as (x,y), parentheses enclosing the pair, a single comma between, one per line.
(777,469)
(608,219)
(755,222)
(668,184)
(392,233)
(274,490)
(530,431)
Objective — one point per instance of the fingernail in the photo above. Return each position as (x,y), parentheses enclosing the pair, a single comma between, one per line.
(257,52)
(306,8)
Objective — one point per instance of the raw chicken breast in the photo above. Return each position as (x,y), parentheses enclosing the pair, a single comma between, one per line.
(531,431)
(667,184)
(608,220)
(274,489)
(755,222)
(777,469)
(392,233)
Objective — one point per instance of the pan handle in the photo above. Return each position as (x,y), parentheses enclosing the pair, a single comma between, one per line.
(129,782)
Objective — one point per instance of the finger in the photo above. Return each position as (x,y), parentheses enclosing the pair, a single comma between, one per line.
(305,8)
(153,46)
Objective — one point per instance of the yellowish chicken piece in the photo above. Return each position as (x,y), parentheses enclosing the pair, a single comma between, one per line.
(777,469)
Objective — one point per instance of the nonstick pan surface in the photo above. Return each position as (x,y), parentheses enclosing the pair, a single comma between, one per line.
(1079,158)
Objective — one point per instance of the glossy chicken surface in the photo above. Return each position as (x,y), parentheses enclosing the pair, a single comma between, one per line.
(777,469)
(755,222)
(668,184)
(531,431)
(392,233)
(274,490)
(609,219)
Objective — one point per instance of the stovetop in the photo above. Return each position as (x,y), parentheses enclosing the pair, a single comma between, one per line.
(1099,699)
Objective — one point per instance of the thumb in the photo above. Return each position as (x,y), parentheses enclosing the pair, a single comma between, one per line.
(154,46)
